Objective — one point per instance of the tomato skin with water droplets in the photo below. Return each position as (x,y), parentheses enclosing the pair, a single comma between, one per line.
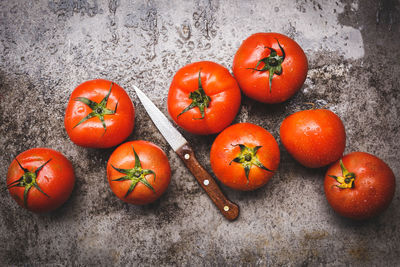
(315,138)
(91,132)
(226,148)
(255,84)
(152,158)
(56,179)
(218,84)
(373,190)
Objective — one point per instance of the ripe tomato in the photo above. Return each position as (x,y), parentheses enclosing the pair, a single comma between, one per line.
(315,138)
(203,98)
(359,186)
(99,114)
(40,179)
(138,172)
(270,67)
(244,156)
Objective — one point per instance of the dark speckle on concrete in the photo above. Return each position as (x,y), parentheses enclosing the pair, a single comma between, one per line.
(70,7)
(50,47)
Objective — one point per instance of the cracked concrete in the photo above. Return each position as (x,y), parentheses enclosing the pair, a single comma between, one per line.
(49,47)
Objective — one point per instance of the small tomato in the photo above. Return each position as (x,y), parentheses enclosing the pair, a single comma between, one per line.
(270,67)
(359,186)
(315,138)
(40,179)
(203,98)
(99,114)
(138,172)
(244,156)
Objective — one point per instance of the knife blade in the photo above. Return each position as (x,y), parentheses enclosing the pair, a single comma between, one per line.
(180,145)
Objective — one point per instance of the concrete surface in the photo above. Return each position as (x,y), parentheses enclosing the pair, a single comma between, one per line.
(49,47)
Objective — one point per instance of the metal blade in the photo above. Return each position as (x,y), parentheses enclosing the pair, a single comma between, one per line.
(170,133)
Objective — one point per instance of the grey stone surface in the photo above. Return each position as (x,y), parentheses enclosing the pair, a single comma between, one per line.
(49,47)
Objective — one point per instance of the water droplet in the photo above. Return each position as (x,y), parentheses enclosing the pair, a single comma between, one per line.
(190,45)
(131,21)
(185,31)
(179,44)
(80,109)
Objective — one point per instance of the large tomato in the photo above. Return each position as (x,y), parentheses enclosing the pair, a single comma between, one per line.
(270,67)
(359,186)
(203,98)
(315,137)
(138,172)
(244,156)
(99,114)
(40,179)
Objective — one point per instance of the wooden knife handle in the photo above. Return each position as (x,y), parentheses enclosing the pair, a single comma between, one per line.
(229,209)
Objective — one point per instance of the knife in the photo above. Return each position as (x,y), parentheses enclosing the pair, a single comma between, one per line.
(179,144)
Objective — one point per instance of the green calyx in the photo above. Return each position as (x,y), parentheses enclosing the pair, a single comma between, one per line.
(347,178)
(99,110)
(272,63)
(248,157)
(136,175)
(199,99)
(28,180)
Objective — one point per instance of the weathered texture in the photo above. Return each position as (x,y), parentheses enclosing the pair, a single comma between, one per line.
(49,47)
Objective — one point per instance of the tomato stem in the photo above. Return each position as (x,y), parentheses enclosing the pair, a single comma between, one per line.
(272,63)
(199,99)
(248,157)
(27,180)
(347,178)
(136,175)
(99,110)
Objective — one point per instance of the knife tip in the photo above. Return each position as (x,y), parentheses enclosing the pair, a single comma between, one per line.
(135,87)
(139,92)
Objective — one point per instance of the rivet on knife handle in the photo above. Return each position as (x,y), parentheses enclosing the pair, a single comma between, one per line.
(229,209)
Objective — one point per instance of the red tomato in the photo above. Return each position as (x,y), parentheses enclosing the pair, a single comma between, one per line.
(315,138)
(99,114)
(270,67)
(40,179)
(244,156)
(138,172)
(360,186)
(203,98)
